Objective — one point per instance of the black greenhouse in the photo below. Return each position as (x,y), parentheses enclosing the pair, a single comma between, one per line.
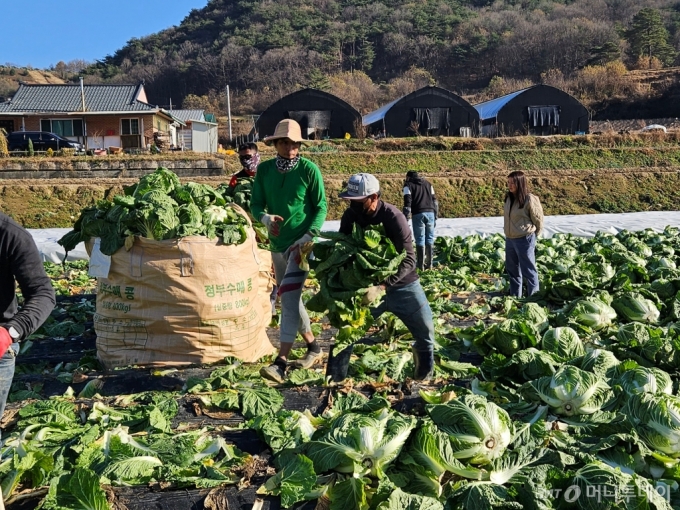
(320,114)
(430,111)
(539,110)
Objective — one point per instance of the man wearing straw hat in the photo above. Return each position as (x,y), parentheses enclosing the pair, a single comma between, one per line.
(289,199)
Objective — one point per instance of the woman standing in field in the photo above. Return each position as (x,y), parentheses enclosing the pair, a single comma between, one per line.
(523,223)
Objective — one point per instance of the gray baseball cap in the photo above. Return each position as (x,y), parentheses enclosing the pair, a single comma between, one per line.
(360,186)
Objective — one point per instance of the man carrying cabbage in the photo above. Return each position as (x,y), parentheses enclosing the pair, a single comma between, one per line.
(289,199)
(404,296)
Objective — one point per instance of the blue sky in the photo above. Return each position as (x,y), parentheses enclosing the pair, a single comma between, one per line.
(40,33)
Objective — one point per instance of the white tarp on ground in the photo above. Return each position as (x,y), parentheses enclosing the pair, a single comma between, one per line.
(581,225)
(46,240)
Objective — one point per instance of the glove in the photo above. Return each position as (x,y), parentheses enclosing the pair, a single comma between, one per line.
(5,341)
(302,247)
(271,221)
(407,212)
(372,294)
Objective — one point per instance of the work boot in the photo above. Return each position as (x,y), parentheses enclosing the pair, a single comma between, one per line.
(275,372)
(429,253)
(420,257)
(308,360)
(424,365)
(338,366)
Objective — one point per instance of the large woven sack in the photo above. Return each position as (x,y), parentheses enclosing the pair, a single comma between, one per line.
(184,301)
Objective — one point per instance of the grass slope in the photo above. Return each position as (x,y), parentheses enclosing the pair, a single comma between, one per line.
(599,174)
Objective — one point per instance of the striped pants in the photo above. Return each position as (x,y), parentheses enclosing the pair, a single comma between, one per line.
(290,279)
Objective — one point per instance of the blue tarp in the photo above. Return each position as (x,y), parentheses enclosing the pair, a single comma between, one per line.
(490,109)
(379,114)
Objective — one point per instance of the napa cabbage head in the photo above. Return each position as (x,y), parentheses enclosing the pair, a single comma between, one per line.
(563,342)
(570,391)
(635,307)
(508,337)
(214,214)
(593,313)
(361,444)
(656,417)
(479,430)
(646,380)
(533,313)
(598,361)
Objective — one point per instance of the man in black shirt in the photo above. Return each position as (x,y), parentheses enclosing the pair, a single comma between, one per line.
(419,199)
(404,296)
(20,263)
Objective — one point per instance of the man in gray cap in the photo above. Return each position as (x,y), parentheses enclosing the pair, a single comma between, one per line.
(404,296)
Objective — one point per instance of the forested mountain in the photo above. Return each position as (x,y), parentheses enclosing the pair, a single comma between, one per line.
(372,51)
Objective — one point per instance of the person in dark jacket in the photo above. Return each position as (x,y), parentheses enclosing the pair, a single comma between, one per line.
(20,263)
(404,296)
(420,202)
(249,157)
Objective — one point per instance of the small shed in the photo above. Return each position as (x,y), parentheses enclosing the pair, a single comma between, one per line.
(200,134)
(540,110)
(429,111)
(320,114)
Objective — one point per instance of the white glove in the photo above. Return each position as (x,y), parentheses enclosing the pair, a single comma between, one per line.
(372,294)
(302,247)
(307,238)
(271,221)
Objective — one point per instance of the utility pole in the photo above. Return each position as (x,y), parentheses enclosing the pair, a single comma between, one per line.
(229,113)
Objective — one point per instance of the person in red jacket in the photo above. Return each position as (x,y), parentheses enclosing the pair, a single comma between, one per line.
(249,157)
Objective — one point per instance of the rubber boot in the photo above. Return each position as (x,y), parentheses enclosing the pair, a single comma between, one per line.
(420,257)
(424,365)
(338,366)
(429,253)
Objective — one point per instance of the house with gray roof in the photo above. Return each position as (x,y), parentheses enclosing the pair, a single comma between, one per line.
(98,116)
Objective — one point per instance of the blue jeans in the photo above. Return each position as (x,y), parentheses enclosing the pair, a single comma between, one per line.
(410,304)
(7,374)
(423,228)
(520,263)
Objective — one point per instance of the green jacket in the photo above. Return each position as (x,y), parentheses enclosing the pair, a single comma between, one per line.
(298,197)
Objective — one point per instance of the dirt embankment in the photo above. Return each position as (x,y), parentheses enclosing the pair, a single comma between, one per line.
(40,204)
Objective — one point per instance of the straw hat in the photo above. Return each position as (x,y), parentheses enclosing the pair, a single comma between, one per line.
(287,128)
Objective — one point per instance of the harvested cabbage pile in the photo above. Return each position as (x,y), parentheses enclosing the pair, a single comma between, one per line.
(158,207)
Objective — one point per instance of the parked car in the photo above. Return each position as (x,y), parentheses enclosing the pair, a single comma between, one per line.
(42,140)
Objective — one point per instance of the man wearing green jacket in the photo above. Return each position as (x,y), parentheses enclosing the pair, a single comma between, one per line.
(289,199)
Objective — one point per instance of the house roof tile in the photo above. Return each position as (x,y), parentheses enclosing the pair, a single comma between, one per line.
(67,98)
(187,115)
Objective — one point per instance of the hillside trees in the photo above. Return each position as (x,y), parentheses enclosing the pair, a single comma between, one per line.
(266,49)
(648,37)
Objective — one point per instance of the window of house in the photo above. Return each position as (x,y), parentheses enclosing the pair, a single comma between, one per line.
(62,127)
(129,126)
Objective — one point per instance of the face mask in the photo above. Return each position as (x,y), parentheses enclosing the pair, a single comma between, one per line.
(358,207)
(250,164)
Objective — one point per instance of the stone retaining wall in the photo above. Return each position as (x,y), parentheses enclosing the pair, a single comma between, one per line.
(107,169)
